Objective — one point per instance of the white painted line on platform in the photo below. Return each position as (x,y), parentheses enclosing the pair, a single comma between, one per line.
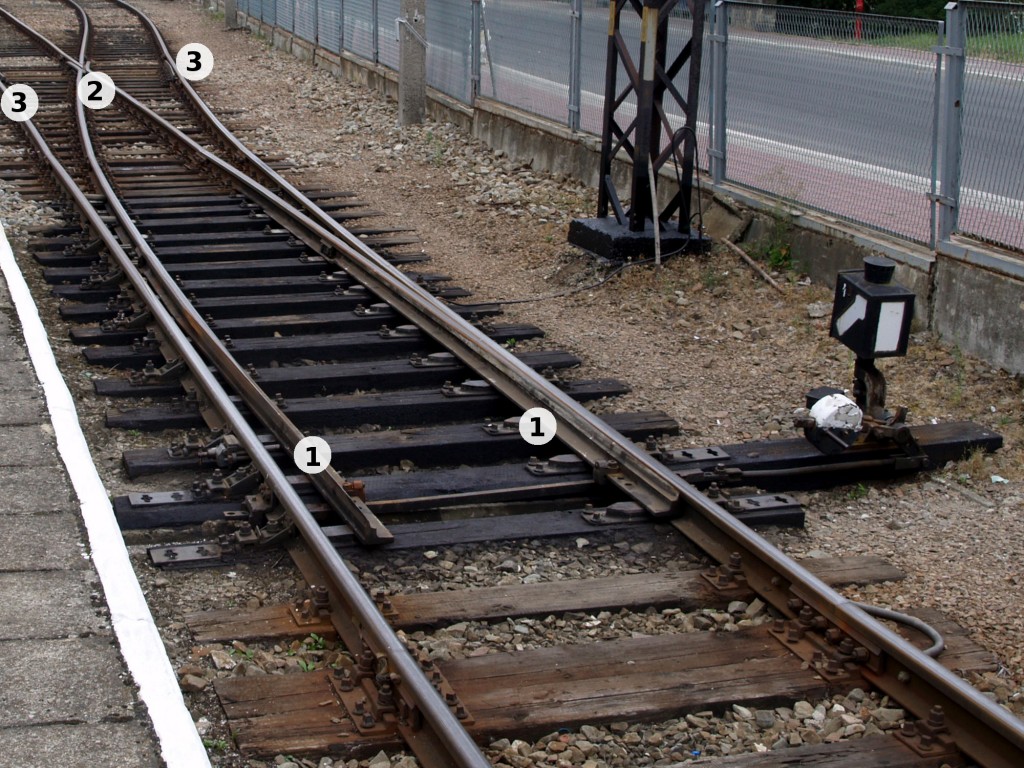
(140,642)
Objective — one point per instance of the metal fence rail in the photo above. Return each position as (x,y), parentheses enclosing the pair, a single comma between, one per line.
(910,127)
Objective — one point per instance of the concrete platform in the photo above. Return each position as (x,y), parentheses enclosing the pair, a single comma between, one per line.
(64,688)
(67,697)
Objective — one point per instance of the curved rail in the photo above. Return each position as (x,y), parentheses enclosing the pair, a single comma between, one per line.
(985,731)
(413,686)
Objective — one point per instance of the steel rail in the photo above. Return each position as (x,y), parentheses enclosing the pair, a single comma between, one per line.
(329,482)
(985,731)
(410,682)
(619,460)
(982,729)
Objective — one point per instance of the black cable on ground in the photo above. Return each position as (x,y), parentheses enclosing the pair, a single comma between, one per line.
(580,289)
(699,215)
(938,642)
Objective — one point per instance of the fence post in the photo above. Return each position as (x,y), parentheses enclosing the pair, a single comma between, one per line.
(719,47)
(412,63)
(575,63)
(950,119)
(475,42)
(375,31)
(933,189)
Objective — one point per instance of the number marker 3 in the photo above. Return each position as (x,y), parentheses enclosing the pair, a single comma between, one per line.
(19,103)
(194,61)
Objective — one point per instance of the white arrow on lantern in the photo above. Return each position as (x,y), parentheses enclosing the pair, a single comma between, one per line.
(856,311)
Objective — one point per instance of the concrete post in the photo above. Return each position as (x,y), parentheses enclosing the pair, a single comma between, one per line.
(412,62)
(230,14)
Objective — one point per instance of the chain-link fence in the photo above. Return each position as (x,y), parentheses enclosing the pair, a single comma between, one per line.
(991,199)
(834,111)
(450,48)
(526,55)
(855,115)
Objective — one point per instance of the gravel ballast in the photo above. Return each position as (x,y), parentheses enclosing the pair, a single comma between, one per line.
(703,339)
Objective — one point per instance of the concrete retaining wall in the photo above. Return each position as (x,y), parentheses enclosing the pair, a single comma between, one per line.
(971,296)
(980,310)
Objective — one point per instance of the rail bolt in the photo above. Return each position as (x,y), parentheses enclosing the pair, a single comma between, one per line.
(937,718)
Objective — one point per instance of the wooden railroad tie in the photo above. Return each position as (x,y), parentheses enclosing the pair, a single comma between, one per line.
(537,691)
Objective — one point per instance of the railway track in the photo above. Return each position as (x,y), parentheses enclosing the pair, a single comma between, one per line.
(209,278)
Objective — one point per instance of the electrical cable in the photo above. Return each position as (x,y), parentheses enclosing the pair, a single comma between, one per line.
(580,289)
(699,215)
(938,642)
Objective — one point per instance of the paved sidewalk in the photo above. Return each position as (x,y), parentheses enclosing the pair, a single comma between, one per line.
(66,698)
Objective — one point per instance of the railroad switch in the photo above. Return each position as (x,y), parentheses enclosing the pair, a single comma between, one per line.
(871,315)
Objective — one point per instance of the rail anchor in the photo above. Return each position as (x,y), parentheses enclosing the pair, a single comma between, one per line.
(172,370)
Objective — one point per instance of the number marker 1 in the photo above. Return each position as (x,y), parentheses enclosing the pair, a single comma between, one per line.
(312,455)
(538,426)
